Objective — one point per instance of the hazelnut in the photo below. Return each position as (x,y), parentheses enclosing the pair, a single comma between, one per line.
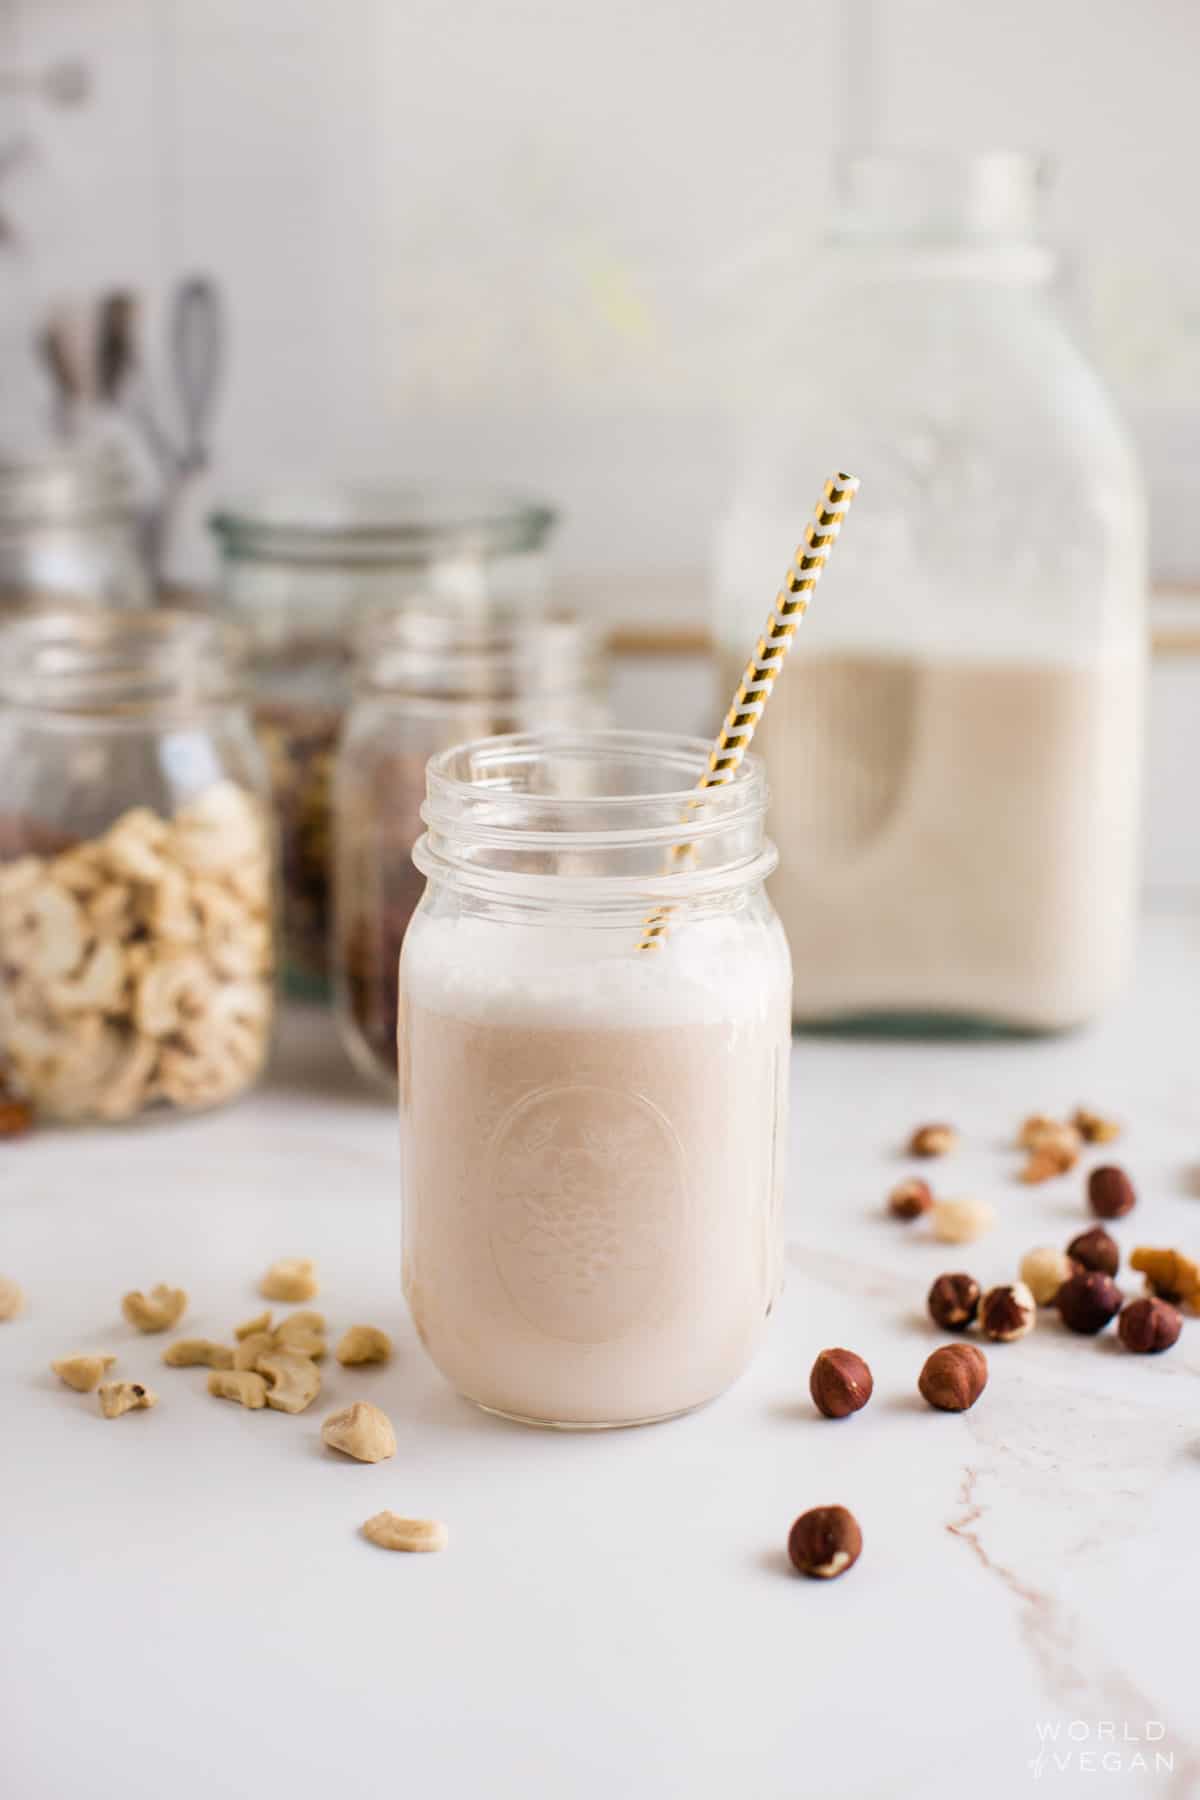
(1095,1249)
(1007,1312)
(1169,1274)
(909,1199)
(1048,1161)
(953,1301)
(1110,1192)
(1044,1270)
(1148,1326)
(840,1383)
(954,1377)
(1093,1127)
(1089,1301)
(825,1542)
(1040,1133)
(961,1221)
(933,1140)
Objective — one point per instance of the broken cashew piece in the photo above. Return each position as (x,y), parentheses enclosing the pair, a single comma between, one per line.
(391,1532)
(249,1349)
(261,1322)
(191,1353)
(295,1381)
(11,1298)
(242,1385)
(83,1373)
(117,1397)
(158,1311)
(364,1344)
(293,1278)
(302,1332)
(362,1431)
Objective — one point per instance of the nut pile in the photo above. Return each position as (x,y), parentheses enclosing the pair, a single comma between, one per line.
(136,967)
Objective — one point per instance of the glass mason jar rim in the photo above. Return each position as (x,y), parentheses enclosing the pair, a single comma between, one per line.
(63,485)
(110,661)
(440,656)
(400,523)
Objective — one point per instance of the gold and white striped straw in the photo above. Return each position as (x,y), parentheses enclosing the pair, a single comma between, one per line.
(759,675)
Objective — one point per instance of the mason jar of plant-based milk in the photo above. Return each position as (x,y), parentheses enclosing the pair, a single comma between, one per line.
(954,756)
(593,1129)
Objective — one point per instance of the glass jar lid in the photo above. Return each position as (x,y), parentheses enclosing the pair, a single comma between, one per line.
(402,525)
(109,663)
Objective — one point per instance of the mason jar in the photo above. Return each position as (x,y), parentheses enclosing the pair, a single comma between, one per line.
(955,749)
(423,682)
(300,568)
(137,937)
(69,531)
(593,1112)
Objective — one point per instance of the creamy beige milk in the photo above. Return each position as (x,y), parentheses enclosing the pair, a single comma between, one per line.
(593,1163)
(955,838)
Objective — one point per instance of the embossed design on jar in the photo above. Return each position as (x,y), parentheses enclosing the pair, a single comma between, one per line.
(588,1196)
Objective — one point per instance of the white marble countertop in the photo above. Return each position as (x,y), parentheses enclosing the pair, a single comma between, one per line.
(188,1611)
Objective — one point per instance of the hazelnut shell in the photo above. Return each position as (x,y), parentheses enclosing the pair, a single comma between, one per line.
(1096,1250)
(1007,1312)
(1088,1302)
(953,1377)
(840,1383)
(825,1542)
(1149,1326)
(1110,1192)
(953,1301)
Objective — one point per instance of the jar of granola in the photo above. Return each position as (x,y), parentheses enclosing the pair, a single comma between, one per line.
(136,866)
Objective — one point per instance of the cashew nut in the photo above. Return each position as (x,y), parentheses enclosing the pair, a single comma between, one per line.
(362,1431)
(51,932)
(302,1332)
(83,1373)
(293,1278)
(168,911)
(261,1322)
(188,1353)
(242,1385)
(174,989)
(98,987)
(11,1298)
(80,871)
(391,1532)
(133,845)
(158,1311)
(295,1380)
(117,1397)
(364,1344)
(125,1091)
(218,829)
(248,1349)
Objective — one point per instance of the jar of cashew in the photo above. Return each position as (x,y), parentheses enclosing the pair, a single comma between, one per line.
(137,866)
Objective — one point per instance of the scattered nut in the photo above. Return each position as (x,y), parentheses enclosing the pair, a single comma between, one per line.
(117,1397)
(1149,1326)
(261,1322)
(157,1311)
(83,1373)
(909,1199)
(247,1351)
(1044,1270)
(11,1298)
(362,1431)
(302,1332)
(191,1353)
(293,1278)
(391,1532)
(1110,1192)
(1095,1249)
(1089,1301)
(364,1344)
(953,1377)
(961,1221)
(840,1383)
(1169,1274)
(825,1542)
(1047,1162)
(16,1116)
(1039,1130)
(295,1381)
(243,1385)
(933,1140)
(953,1301)
(1093,1127)
(1007,1312)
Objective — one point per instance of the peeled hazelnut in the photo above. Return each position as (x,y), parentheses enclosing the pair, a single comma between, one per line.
(1148,1326)
(1093,1127)
(933,1140)
(1110,1192)
(953,1301)
(1007,1312)
(954,1377)
(1095,1249)
(961,1221)
(840,1383)
(825,1542)
(1169,1274)
(909,1199)
(1044,1270)
(1089,1301)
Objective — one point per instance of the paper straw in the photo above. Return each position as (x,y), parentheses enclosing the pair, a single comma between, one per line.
(758,677)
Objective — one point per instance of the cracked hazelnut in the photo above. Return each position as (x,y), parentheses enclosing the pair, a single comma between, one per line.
(1110,1192)
(1048,1161)
(953,1377)
(1095,1249)
(825,1542)
(840,1383)
(1094,1127)
(1149,1326)
(1040,1133)
(1043,1270)
(961,1221)
(953,1301)
(1089,1301)
(909,1199)
(1169,1275)
(933,1140)
(1007,1312)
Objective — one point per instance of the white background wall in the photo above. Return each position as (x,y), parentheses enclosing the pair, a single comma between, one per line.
(519,240)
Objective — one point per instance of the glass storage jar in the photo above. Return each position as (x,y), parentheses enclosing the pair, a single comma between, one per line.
(299,568)
(423,683)
(69,531)
(136,866)
(955,752)
(593,1131)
